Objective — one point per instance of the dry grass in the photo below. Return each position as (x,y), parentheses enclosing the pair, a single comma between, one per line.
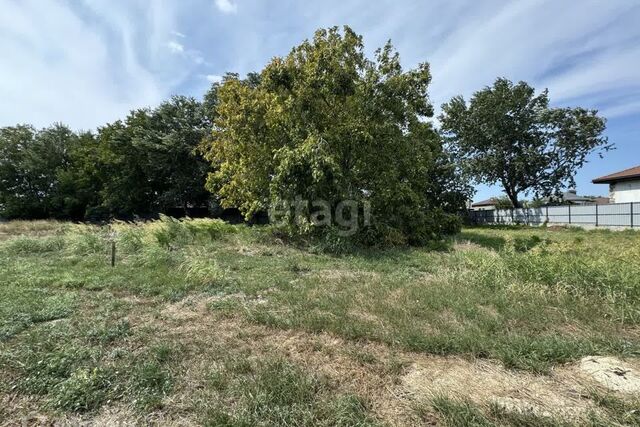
(30,228)
(214,327)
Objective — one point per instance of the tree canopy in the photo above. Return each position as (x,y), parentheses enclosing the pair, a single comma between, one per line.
(144,165)
(30,164)
(323,129)
(327,123)
(508,135)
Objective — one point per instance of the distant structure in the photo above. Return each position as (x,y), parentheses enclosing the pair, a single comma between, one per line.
(624,186)
(485,205)
(570,197)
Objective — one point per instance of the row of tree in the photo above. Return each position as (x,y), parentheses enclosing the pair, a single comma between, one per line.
(323,123)
(144,164)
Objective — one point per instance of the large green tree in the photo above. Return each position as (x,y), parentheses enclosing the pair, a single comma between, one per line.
(149,162)
(508,135)
(30,164)
(327,123)
(79,181)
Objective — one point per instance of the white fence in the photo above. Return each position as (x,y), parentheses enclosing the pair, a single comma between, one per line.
(612,215)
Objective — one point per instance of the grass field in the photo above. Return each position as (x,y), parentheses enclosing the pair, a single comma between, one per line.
(201,322)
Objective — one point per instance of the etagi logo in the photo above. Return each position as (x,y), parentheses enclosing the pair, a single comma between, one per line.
(346,214)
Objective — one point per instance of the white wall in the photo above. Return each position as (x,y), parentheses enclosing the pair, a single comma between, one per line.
(484,208)
(625,192)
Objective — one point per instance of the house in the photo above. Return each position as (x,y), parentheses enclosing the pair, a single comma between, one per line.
(570,197)
(624,186)
(486,205)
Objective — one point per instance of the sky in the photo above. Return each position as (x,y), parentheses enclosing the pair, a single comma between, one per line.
(88,62)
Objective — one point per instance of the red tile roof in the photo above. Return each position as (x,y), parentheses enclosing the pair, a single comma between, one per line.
(626,174)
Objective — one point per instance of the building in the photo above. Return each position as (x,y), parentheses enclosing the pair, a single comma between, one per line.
(485,205)
(624,186)
(570,197)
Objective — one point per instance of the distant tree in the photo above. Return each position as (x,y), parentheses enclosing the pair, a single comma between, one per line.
(149,161)
(535,203)
(508,135)
(503,202)
(30,163)
(327,123)
(126,188)
(79,181)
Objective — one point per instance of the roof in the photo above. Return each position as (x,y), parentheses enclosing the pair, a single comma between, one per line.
(571,196)
(489,202)
(600,200)
(631,173)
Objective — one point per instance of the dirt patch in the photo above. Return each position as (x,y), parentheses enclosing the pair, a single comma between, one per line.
(489,311)
(341,274)
(394,381)
(485,382)
(205,336)
(196,306)
(612,373)
(450,320)
(366,316)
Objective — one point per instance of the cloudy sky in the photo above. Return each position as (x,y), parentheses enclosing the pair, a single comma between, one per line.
(87,62)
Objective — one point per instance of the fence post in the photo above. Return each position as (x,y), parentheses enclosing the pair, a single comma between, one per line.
(569,213)
(631,210)
(596,215)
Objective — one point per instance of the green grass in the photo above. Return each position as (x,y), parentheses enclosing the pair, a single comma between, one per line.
(77,334)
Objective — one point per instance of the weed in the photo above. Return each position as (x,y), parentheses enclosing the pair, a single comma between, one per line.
(84,390)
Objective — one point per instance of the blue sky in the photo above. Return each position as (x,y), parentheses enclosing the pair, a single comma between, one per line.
(88,62)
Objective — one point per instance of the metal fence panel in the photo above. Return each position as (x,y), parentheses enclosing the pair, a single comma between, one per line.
(583,215)
(559,214)
(615,215)
(612,215)
(536,215)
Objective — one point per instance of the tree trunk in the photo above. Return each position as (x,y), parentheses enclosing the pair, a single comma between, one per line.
(513,197)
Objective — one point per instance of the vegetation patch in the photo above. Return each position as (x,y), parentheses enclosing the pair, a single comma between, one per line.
(236,327)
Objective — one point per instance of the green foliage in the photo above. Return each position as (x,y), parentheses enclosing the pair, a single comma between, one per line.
(503,202)
(508,135)
(84,390)
(459,413)
(326,123)
(151,381)
(30,163)
(146,164)
(281,393)
(149,163)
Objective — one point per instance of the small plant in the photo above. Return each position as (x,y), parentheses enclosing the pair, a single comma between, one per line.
(150,383)
(84,390)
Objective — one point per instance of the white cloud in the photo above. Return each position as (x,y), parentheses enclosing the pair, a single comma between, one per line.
(214,78)
(226,6)
(577,58)
(90,61)
(175,47)
(58,67)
